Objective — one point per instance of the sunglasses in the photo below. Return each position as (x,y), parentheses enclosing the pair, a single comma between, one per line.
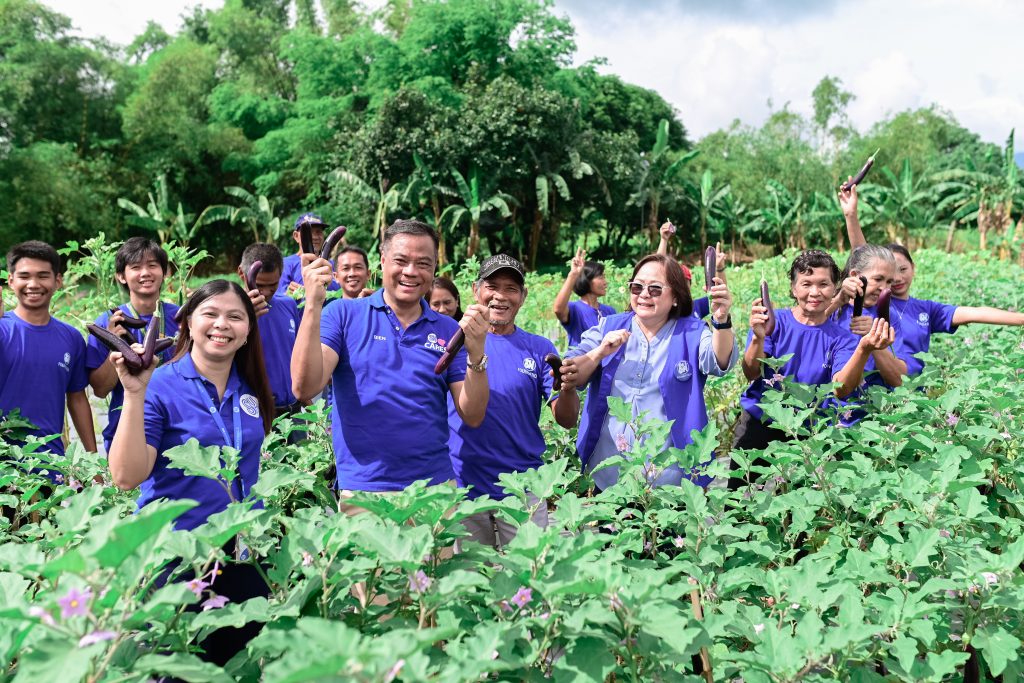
(637,288)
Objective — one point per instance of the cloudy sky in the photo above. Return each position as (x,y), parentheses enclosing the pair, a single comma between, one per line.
(718,60)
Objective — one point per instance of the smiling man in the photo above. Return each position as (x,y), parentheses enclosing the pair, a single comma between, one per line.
(389,407)
(42,360)
(509,438)
(352,272)
(140,266)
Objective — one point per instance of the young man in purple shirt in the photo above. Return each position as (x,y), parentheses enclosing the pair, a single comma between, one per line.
(141,266)
(278,319)
(42,360)
(389,409)
(291,272)
(509,439)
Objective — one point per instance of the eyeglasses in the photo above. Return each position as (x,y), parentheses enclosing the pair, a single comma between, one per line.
(637,288)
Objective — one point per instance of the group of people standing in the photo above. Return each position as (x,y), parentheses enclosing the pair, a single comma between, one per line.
(244,356)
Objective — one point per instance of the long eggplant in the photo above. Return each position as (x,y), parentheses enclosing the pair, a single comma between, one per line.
(858,301)
(306,238)
(456,342)
(555,362)
(114,343)
(162,344)
(332,241)
(250,275)
(130,322)
(882,305)
(845,187)
(710,266)
(766,301)
(149,342)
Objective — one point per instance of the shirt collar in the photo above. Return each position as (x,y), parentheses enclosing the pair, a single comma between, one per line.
(377,301)
(187,369)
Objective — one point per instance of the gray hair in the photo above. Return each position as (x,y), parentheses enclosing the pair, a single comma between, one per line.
(861,258)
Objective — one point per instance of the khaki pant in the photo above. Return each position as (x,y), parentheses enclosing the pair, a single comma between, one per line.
(487,528)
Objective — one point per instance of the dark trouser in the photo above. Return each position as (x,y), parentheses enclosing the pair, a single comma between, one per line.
(296,435)
(752,434)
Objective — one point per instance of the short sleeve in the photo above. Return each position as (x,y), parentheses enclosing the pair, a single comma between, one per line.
(707,360)
(95,353)
(547,379)
(842,351)
(79,378)
(940,318)
(331,321)
(590,340)
(154,417)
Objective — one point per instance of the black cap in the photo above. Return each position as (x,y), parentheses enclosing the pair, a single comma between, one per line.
(502,262)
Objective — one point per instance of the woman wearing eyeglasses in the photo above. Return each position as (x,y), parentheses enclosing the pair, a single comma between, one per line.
(656,357)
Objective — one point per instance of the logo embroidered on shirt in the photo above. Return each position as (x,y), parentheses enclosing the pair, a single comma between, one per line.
(66,363)
(433,343)
(922,318)
(250,406)
(683,371)
(530,363)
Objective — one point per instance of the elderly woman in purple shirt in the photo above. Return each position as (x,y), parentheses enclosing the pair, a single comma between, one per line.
(656,357)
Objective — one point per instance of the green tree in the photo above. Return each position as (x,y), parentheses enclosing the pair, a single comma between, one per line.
(475,203)
(657,177)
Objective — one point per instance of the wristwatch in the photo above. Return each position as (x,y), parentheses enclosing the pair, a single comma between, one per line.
(722,326)
(479,366)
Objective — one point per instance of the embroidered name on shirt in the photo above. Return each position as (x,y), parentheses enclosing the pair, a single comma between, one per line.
(66,364)
(379,337)
(529,367)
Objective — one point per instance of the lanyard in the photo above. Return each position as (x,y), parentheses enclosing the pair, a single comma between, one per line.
(236,415)
(163,319)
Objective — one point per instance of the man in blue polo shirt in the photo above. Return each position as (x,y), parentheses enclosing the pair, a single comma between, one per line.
(278,318)
(389,413)
(509,439)
(291,272)
(140,267)
(42,360)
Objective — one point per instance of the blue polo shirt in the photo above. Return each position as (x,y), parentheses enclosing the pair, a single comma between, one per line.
(701,307)
(292,272)
(96,354)
(39,366)
(389,415)
(582,317)
(509,439)
(919,320)
(819,352)
(277,336)
(871,375)
(177,409)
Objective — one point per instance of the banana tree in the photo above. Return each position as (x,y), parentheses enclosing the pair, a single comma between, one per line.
(657,177)
(171,224)
(906,202)
(421,190)
(256,212)
(782,215)
(473,206)
(545,205)
(705,199)
(386,197)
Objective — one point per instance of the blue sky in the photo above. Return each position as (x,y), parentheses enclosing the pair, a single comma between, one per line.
(716,61)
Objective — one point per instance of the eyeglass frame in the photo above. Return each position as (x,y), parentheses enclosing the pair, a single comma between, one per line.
(646,286)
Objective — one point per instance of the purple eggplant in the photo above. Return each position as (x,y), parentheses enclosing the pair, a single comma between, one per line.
(306,238)
(114,343)
(882,305)
(332,241)
(250,276)
(766,301)
(149,342)
(555,362)
(162,344)
(845,187)
(456,342)
(710,266)
(130,322)
(858,301)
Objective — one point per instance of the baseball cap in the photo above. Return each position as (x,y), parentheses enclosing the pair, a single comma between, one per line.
(502,262)
(311,219)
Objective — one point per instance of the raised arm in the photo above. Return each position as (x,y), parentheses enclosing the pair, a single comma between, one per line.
(561,306)
(986,314)
(723,341)
(131,459)
(755,349)
(666,231)
(312,362)
(103,379)
(848,203)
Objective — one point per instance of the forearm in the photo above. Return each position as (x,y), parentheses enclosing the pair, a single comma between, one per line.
(81,417)
(473,398)
(890,367)
(307,363)
(987,315)
(129,458)
(723,342)
(103,379)
(561,305)
(852,374)
(663,246)
(751,358)
(854,231)
(566,408)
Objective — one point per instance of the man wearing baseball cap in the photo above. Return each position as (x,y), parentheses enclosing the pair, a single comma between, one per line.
(509,438)
(291,276)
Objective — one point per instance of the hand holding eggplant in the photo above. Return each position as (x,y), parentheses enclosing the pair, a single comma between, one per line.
(555,363)
(758,319)
(316,276)
(133,381)
(766,302)
(569,375)
(667,230)
(721,300)
(474,326)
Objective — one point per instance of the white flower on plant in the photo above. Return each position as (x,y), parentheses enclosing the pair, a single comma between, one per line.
(96,637)
(758,628)
(991,578)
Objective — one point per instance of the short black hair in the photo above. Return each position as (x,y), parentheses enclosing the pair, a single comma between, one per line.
(591,270)
(808,260)
(33,249)
(134,250)
(352,249)
(269,254)
(901,250)
(409,227)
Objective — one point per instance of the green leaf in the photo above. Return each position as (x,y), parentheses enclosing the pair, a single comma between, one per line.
(997,646)
(180,665)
